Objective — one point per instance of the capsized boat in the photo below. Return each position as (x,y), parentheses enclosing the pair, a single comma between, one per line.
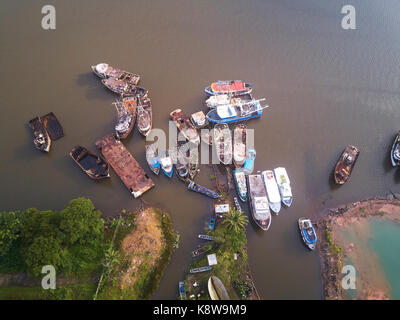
(274,197)
(185,126)
(41,138)
(395,152)
(201,269)
(152,158)
(230,113)
(94,166)
(240,182)
(248,166)
(229,86)
(223,143)
(126,113)
(144,115)
(166,164)
(224,99)
(283,182)
(182,292)
(104,71)
(198,119)
(259,201)
(122,87)
(345,164)
(308,233)
(203,190)
(216,289)
(239,145)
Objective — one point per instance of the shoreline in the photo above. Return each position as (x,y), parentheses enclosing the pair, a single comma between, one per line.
(332,254)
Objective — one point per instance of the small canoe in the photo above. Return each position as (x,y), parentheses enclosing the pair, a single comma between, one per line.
(94,166)
(144,115)
(203,190)
(201,269)
(395,152)
(229,86)
(239,145)
(308,233)
(126,112)
(216,289)
(223,143)
(152,158)
(182,292)
(211,224)
(41,138)
(345,164)
(274,197)
(283,182)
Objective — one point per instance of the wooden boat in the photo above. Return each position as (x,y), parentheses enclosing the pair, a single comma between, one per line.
(308,233)
(206,237)
(283,182)
(41,138)
(182,292)
(194,163)
(239,145)
(166,164)
(206,136)
(198,119)
(152,158)
(216,289)
(185,126)
(229,86)
(345,164)
(211,224)
(52,126)
(126,112)
(94,166)
(224,99)
(240,182)
(248,166)
(223,143)
(201,250)
(201,269)
(182,167)
(123,88)
(274,197)
(104,71)
(203,190)
(230,113)
(125,165)
(395,152)
(145,115)
(259,202)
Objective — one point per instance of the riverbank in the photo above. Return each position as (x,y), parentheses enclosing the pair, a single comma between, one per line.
(344,234)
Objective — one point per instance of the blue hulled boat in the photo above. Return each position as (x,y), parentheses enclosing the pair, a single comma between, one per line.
(308,233)
(167,166)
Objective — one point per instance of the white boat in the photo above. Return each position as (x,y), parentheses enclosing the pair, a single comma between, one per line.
(274,197)
(240,182)
(223,143)
(239,145)
(283,183)
(259,201)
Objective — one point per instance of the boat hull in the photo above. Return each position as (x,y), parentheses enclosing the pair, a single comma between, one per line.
(395,152)
(95,167)
(227,87)
(308,244)
(343,170)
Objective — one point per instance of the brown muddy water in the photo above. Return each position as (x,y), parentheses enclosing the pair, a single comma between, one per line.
(326,87)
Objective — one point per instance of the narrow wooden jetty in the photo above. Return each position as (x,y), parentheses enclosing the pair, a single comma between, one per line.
(125,165)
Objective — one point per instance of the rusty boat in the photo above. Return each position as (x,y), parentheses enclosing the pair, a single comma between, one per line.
(239,145)
(126,113)
(104,71)
(144,115)
(94,166)
(345,164)
(185,126)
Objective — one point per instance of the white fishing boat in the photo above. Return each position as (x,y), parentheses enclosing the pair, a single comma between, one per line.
(283,183)
(223,143)
(259,202)
(239,145)
(240,182)
(224,99)
(274,197)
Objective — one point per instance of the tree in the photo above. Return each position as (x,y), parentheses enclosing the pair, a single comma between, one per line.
(80,222)
(10,226)
(235,220)
(43,251)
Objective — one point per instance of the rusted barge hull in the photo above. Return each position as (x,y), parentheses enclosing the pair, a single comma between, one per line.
(125,165)
(53,126)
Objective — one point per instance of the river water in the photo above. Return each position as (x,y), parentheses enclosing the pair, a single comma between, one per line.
(327,87)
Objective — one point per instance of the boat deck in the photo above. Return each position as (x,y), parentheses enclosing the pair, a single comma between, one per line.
(125,165)
(53,126)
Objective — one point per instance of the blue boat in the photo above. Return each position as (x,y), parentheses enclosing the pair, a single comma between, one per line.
(201,269)
(248,166)
(231,113)
(211,224)
(308,233)
(167,166)
(182,292)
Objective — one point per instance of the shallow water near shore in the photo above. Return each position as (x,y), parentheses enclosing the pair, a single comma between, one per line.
(326,87)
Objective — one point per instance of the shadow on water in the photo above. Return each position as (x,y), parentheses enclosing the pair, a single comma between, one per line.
(96,90)
(27,151)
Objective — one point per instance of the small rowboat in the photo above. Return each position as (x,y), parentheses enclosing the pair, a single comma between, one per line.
(182,292)
(239,145)
(201,269)
(95,167)
(211,224)
(345,164)
(229,86)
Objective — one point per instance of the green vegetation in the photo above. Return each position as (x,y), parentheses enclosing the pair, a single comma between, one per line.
(336,250)
(231,240)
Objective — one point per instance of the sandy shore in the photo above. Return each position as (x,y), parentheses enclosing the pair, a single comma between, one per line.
(337,230)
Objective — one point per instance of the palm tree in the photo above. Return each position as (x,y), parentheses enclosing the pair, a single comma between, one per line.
(235,220)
